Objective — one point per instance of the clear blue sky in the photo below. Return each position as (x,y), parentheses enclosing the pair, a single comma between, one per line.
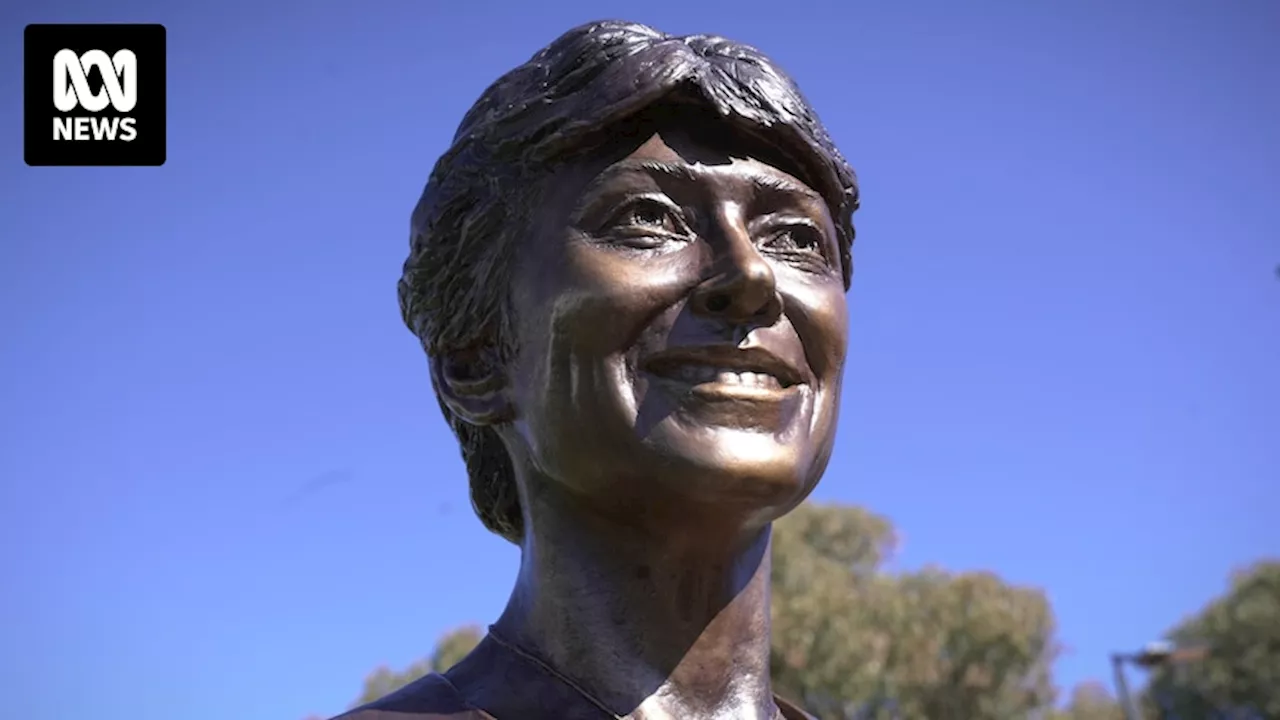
(226,483)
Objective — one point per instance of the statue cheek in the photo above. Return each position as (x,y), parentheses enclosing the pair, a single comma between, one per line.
(822,321)
(608,302)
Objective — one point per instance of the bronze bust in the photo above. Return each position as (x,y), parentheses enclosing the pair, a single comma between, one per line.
(628,273)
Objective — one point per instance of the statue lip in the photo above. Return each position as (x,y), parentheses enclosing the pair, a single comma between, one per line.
(668,363)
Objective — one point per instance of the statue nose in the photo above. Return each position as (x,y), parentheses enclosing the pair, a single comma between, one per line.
(741,287)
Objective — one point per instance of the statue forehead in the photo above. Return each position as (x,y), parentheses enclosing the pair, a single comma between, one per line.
(681,137)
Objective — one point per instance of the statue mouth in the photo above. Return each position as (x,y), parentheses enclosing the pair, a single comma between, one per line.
(750,372)
(698,374)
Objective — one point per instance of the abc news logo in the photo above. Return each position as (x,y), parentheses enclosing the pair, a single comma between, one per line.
(71,90)
(108,101)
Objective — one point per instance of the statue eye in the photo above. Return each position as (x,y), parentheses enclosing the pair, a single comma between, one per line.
(650,214)
(798,237)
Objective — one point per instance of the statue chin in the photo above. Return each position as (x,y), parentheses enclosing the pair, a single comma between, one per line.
(737,466)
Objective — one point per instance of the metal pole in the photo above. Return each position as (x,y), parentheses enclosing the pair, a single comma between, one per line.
(1122,687)
(1154,655)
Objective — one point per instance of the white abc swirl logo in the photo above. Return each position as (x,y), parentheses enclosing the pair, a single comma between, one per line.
(71,81)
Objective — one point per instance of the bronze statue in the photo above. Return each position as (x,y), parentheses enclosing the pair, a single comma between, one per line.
(629,273)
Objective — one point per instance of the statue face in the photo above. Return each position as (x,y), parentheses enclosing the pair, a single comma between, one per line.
(681,328)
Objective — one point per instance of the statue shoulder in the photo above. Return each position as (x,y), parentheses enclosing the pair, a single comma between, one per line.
(431,697)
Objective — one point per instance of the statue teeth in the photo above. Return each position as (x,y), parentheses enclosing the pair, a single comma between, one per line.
(727,376)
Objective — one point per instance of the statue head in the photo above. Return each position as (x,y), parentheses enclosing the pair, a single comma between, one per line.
(628,272)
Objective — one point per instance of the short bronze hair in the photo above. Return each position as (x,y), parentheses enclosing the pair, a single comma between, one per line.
(453,293)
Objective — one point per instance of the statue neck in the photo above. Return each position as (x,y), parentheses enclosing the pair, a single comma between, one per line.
(653,623)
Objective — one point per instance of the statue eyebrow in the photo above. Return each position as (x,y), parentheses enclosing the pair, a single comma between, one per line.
(765,184)
(772,185)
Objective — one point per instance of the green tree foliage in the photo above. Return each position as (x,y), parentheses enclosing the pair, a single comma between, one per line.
(449,650)
(1240,672)
(1090,701)
(852,641)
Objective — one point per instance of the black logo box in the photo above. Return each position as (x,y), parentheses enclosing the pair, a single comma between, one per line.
(41,43)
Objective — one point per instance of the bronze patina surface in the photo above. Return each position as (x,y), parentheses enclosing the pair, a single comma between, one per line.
(628,273)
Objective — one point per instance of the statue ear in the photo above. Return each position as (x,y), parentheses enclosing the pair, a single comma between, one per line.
(473,385)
